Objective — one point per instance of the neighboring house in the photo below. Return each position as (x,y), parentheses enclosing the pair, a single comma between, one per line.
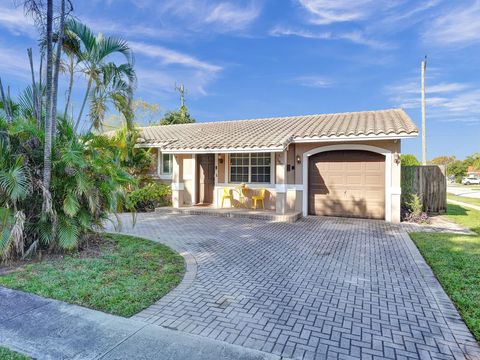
(471,171)
(345,164)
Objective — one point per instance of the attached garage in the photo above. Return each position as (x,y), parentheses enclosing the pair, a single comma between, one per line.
(347,183)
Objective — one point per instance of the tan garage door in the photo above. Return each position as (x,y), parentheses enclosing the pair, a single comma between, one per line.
(347,183)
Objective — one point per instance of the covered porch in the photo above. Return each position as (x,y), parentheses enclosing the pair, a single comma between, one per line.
(232,181)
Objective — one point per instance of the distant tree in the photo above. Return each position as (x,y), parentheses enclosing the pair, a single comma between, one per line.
(473,160)
(181,116)
(177,117)
(458,168)
(409,160)
(443,160)
(144,113)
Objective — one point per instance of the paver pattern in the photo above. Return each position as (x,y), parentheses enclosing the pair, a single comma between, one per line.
(318,288)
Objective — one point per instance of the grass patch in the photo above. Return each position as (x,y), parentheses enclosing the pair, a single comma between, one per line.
(464,216)
(6,354)
(123,279)
(468,200)
(455,260)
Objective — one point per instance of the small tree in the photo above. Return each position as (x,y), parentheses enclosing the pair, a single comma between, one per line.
(409,160)
(181,116)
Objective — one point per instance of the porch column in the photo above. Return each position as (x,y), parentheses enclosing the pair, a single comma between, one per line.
(281,182)
(177,183)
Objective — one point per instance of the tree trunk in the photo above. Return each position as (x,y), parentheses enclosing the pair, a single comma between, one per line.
(47,161)
(34,89)
(57,69)
(89,85)
(40,88)
(5,100)
(70,86)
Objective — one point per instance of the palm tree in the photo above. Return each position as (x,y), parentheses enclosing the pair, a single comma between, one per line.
(92,57)
(112,87)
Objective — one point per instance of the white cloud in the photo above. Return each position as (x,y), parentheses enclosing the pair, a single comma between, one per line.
(169,57)
(207,15)
(232,17)
(14,62)
(15,21)
(356,37)
(129,30)
(324,12)
(313,81)
(446,101)
(458,26)
(161,83)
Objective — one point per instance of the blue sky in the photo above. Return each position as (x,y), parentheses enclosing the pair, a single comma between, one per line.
(259,58)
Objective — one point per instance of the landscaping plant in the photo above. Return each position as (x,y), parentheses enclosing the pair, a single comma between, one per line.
(88,184)
(150,196)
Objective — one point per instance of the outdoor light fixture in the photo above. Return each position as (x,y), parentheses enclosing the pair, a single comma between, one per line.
(396,158)
(299,159)
(220,159)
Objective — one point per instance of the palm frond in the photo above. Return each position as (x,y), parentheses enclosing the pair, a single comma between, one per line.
(15,181)
(71,205)
(67,233)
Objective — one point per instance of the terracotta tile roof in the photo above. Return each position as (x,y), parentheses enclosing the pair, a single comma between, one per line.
(276,133)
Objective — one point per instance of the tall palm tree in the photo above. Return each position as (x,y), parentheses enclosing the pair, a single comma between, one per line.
(47,170)
(93,58)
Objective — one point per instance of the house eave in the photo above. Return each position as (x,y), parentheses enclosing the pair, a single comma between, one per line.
(291,140)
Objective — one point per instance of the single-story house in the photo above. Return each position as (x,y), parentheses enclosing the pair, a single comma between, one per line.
(345,164)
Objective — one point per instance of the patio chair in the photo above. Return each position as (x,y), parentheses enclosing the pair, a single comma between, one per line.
(227,195)
(259,198)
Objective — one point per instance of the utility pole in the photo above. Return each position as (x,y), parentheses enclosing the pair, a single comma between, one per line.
(181,90)
(424,136)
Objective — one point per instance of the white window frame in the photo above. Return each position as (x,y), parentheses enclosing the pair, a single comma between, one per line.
(161,174)
(272,163)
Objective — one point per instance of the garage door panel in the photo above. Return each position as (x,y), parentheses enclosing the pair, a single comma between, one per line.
(347,183)
(373,179)
(354,179)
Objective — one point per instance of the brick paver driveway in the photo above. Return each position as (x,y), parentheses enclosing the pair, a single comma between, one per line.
(322,287)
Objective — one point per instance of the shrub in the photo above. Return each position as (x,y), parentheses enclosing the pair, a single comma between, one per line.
(149,197)
(413,211)
(88,185)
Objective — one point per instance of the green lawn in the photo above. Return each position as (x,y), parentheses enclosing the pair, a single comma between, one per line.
(464,199)
(6,354)
(127,276)
(455,260)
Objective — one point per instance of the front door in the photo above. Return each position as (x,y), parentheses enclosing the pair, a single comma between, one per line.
(206,178)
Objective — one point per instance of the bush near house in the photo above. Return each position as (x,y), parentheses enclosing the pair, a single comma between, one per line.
(149,197)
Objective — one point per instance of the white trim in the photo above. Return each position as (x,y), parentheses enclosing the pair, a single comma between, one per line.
(187,178)
(226,168)
(396,191)
(378,150)
(160,174)
(195,179)
(178,186)
(272,171)
(301,140)
(281,188)
(223,150)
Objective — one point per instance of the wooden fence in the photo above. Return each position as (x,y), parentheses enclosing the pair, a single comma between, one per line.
(429,183)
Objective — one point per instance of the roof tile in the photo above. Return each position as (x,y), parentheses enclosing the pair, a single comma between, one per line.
(276,133)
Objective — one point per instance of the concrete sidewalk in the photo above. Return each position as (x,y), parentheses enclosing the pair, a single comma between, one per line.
(49,329)
(461,203)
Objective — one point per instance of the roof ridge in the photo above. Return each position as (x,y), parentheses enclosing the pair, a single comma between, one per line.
(273,118)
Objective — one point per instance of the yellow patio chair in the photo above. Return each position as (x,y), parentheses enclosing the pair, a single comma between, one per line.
(259,197)
(227,195)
